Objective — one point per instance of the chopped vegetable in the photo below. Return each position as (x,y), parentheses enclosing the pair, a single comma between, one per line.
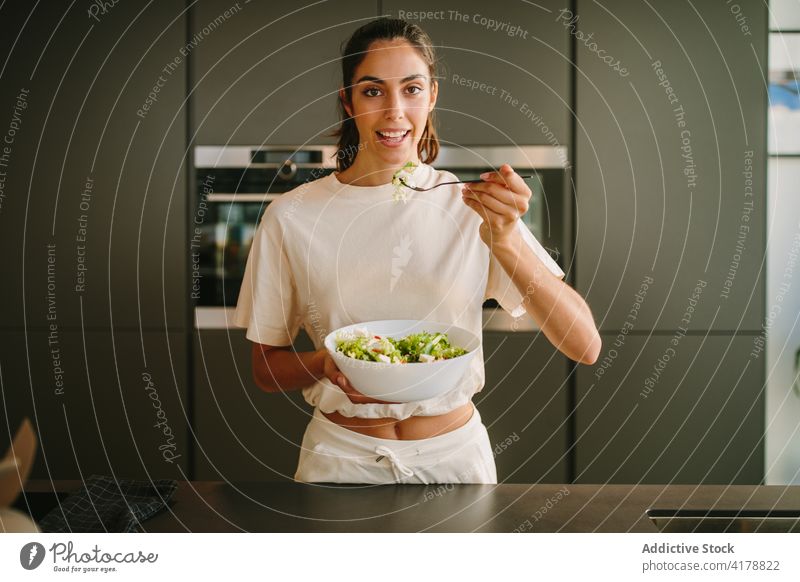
(416,347)
(402,178)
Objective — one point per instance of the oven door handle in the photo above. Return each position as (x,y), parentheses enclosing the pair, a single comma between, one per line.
(242,197)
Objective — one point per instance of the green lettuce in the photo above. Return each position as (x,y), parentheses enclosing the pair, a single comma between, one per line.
(400,176)
(413,348)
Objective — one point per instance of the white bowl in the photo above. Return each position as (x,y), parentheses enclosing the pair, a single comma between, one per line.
(405,382)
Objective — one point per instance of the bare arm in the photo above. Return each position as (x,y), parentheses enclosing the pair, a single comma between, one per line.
(562,314)
(560,311)
(281,369)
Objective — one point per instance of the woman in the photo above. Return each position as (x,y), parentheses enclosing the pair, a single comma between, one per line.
(340,250)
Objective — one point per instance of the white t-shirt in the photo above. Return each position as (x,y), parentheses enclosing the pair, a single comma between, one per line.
(327,254)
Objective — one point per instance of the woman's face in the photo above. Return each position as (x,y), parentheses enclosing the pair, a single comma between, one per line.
(392,96)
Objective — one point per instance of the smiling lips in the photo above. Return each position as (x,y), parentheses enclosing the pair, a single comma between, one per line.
(392,137)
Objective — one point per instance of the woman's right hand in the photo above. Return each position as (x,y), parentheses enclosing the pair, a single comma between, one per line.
(332,373)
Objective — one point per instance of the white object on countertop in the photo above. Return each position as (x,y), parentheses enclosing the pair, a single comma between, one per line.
(13,521)
(16,465)
(14,470)
(405,382)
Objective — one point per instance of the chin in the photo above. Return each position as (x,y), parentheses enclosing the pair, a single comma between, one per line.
(399,155)
(398,158)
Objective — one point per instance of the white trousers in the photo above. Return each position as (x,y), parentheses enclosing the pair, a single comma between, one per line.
(334,454)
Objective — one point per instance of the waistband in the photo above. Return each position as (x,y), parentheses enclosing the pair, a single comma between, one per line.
(404,456)
(357,444)
(342,442)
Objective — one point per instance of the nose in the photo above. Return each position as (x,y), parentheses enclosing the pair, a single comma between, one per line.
(394,106)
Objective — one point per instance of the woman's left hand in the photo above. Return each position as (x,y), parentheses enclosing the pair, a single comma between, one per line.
(500,200)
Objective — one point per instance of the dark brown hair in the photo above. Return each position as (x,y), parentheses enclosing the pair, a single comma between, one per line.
(353,52)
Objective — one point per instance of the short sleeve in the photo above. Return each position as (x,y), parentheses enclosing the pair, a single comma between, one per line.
(268,300)
(499,285)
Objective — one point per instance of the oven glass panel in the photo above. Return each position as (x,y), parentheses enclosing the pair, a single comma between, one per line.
(225,239)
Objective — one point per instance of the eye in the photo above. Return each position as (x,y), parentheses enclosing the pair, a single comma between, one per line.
(418,89)
(372,92)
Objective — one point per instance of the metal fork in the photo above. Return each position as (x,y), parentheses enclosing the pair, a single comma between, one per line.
(418,189)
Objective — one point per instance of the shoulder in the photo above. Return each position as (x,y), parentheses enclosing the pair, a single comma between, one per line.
(321,187)
(304,195)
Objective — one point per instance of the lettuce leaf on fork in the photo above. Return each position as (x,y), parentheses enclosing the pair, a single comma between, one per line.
(404,174)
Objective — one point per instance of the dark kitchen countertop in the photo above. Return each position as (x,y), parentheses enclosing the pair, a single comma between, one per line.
(217,506)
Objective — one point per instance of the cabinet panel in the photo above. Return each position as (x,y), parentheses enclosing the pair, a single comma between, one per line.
(243,433)
(670,164)
(651,411)
(505,70)
(269,73)
(524,407)
(95,185)
(112,404)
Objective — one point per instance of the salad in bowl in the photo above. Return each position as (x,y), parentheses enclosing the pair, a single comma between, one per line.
(402,360)
(424,347)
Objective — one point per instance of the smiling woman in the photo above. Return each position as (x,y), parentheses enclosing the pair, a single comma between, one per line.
(348,251)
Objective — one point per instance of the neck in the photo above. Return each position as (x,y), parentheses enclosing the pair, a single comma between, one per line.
(362,173)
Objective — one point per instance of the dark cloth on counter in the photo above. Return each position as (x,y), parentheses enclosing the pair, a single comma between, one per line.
(105,505)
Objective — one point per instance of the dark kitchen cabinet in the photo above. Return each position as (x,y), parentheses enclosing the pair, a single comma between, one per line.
(243,433)
(671,163)
(93,220)
(657,412)
(505,69)
(101,402)
(267,73)
(524,406)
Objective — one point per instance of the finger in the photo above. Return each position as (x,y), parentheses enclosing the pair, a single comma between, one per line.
(347,388)
(358,398)
(505,211)
(516,201)
(354,395)
(329,368)
(506,176)
(484,212)
(333,373)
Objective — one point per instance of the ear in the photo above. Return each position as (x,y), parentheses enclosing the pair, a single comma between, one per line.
(343,97)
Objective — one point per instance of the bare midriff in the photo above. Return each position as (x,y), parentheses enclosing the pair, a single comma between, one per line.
(411,428)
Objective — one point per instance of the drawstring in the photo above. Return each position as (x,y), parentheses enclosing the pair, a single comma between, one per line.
(397,466)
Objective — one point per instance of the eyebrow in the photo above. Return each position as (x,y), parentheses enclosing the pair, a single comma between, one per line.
(381,81)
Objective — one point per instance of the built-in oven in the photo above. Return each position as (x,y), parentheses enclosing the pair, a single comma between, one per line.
(235,184)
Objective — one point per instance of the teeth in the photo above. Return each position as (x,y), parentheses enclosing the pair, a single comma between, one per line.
(392,133)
